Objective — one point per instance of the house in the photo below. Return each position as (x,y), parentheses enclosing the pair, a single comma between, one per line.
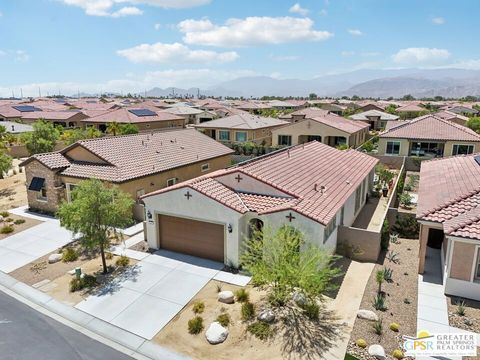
(145,119)
(410,111)
(16,111)
(241,128)
(66,118)
(328,128)
(307,113)
(451,116)
(312,187)
(375,118)
(428,135)
(16,127)
(464,110)
(366,106)
(449,215)
(190,114)
(138,164)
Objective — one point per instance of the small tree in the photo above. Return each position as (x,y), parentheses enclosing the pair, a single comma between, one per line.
(283,261)
(95,213)
(474,124)
(379,277)
(127,129)
(113,128)
(42,139)
(5,163)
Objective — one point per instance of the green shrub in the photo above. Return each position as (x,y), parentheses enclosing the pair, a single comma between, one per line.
(6,229)
(398,354)
(312,311)
(4,214)
(394,327)
(361,343)
(385,235)
(195,325)
(9,219)
(88,281)
(379,302)
(198,307)
(248,311)
(242,295)
(260,330)
(461,308)
(19,221)
(219,287)
(69,254)
(122,261)
(223,319)
(407,227)
(378,327)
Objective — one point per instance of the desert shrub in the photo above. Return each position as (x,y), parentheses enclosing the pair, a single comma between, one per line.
(6,229)
(223,319)
(248,311)
(260,330)
(195,325)
(88,281)
(9,219)
(407,227)
(198,307)
(219,287)
(361,343)
(312,311)
(394,327)
(388,274)
(242,295)
(19,221)
(122,261)
(4,214)
(385,235)
(405,200)
(378,327)
(69,254)
(392,256)
(398,354)
(460,308)
(108,255)
(379,302)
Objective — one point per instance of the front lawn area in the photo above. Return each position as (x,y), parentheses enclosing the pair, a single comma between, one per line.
(12,224)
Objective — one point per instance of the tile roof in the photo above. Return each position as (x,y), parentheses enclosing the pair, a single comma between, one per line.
(52,160)
(124,116)
(374,113)
(430,127)
(300,171)
(341,123)
(242,122)
(448,115)
(410,108)
(50,115)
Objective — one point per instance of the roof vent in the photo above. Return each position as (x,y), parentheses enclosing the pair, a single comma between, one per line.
(322,189)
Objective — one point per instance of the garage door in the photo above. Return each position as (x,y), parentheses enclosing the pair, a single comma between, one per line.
(197,238)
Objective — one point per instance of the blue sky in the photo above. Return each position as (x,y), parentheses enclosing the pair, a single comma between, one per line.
(130,45)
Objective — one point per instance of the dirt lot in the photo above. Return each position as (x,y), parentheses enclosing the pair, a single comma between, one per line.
(13,192)
(401,301)
(19,227)
(295,341)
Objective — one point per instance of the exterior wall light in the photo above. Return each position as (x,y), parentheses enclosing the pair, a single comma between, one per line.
(149,215)
(230,229)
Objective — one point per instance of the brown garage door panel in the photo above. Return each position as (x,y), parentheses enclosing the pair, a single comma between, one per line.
(197,238)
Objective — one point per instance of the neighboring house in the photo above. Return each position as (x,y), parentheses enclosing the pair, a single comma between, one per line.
(312,187)
(145,119)
(376,119)
(66,118)
(16,111)
(307,113)
(15,127)
(371,106)
(451,116)
(449,215)
(191,114)
(428,136)
(329,129)
(138,164)
(254,107)
(463,110)
(241,128)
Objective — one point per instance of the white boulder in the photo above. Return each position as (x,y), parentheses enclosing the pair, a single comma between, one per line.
(267,316)
(216,333)
(226,297)
(377,351)
(299,299)
(367,315)
(53,258)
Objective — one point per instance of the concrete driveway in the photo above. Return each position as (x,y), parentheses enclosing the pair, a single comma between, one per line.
(151,293)
(26,246)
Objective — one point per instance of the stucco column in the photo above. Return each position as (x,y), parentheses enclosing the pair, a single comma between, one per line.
(423,247)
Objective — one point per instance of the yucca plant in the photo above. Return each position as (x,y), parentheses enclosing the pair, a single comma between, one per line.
(461,308)
(380,276)
(378,327)
(387,274)
(379,303)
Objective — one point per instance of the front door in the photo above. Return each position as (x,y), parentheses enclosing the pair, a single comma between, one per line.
(435,238)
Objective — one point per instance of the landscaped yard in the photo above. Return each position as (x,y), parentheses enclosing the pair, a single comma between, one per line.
(464,313)
(11,224)
(13,192)
(400,307)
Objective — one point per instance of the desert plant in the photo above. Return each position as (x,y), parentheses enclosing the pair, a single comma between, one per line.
(398,354)
(392,256)
(405,200)
(407,301)
(247,311)
(361,343)
(219,287)
(311,310)
(223,319)
(407,227)
(385,235)
(379,302)
(378,327)
(87,281)
(195,325)
(388,274)
(394,238)
(379,278)
(69,254)
(198,307)
(108,256)
(19,221)
(461,310)
(122,261)
(242,295)
(260,329)
(6,229)
(9,219)
(394,327)
(4,214)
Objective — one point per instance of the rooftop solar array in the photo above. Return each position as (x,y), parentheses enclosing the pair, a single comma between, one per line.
(142,112)
(26,108)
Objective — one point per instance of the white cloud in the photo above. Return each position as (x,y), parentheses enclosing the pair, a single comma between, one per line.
(438,20)
(251,31)
(107,7)
(347,53)
(21,55)
(174,53)
(157,26)
(284,57)
(421,56)
(323,12)
(355,32)
(297,9)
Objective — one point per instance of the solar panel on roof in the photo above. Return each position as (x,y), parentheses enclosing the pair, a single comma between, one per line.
(142,112)
(26,108)
(477,159)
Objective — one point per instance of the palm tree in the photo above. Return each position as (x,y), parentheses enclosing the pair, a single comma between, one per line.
(113,128)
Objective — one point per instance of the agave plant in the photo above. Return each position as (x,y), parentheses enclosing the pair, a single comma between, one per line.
(379,302)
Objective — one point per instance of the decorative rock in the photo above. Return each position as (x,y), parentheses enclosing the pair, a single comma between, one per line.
(367,315)
(267,316)
(299,299)
(226,297)
(216,333)
(54,258)
(71,272)
(377,351)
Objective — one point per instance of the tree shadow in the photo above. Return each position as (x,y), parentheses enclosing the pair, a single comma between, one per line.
(112,282)
(7,192)
(309,339)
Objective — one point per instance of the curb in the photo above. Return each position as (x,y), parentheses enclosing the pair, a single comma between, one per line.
(111,335)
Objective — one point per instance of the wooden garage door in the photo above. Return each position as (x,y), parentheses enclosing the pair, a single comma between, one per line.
(197,238)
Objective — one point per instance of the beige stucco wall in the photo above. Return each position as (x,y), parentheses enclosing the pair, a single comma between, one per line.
(449,146)
(145,126)
(404,146)
(259,136)
(79,153)
(463,254)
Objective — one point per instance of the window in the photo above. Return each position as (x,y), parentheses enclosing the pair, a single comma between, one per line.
(393,148)
(171,181)
(477,266)
(284,140)
(70,188)
(241,136)
(329,229)
(42,194)
(205,167)
(314,138)
(462,149)
(223,135)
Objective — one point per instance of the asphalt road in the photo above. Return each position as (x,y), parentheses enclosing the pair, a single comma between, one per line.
(26,334)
